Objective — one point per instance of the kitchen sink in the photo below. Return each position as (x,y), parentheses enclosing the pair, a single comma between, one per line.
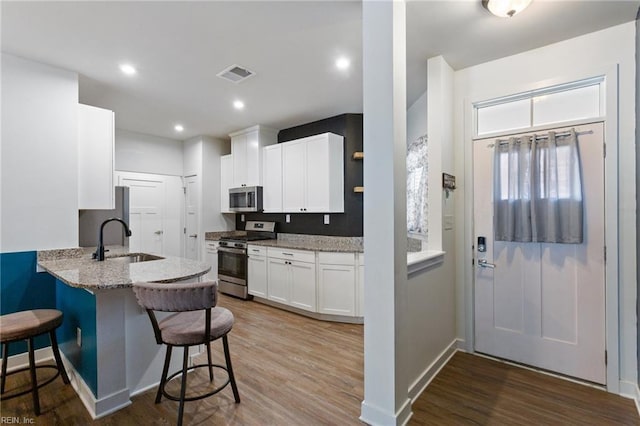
(134,258)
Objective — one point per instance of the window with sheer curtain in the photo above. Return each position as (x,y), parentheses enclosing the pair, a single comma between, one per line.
(417,191)
(538,189)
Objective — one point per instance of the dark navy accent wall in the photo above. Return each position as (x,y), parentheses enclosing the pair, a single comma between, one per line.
(347,224)
(79,307)
(22,288)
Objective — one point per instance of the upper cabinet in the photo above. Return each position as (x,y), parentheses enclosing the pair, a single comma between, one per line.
(226,181)
(95,158)
(272,178)
(246,151)
(313,174)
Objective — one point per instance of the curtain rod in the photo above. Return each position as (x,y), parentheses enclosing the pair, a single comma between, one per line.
(559,135)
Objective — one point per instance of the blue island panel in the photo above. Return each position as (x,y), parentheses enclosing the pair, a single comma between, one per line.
(79,307)
(22,288)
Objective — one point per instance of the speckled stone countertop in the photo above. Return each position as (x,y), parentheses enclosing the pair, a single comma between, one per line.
(214,236)
(76,268)
(314,243)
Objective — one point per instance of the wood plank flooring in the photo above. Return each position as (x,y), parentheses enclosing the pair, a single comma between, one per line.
(293,370)
(472,390)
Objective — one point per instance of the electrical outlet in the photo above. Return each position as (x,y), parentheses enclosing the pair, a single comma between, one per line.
(326,219)
(287,218)
(79,337)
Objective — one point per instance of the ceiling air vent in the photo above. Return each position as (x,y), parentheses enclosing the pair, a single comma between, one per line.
(235,74)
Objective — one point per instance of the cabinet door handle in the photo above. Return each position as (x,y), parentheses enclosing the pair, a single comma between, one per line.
(287,254)
(193,236)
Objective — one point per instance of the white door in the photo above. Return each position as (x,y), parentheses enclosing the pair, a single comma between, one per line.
(544,304)
(146,199)
(192,239)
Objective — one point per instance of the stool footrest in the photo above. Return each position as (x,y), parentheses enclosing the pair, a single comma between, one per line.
(4,395)
(195,398)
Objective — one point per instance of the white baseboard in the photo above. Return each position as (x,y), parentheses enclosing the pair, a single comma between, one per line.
(628,389)
(637,399)
(97,408)
(16,362)
(432,370)
(374,416)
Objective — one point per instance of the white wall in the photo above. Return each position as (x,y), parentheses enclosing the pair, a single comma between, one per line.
(39,185)
(431,294)
(138,152)
(417,119)
(591,54)
(202,158)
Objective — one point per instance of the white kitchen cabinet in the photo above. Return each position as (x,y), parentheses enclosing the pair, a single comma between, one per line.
(226,181)
(211,258)
(337,284)
(292,277)
(257,271)
(272,178)
(303,285)
(246,151)
(313,174)
(95,158)
(279,280)
(360,286)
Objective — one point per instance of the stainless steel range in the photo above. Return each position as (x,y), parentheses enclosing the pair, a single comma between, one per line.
(232,258)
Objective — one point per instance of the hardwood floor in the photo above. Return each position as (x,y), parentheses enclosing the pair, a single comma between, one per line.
(293,370)
(472,390)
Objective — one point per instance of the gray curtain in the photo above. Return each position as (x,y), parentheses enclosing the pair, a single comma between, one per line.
(537,194)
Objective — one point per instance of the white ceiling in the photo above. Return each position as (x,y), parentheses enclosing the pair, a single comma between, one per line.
(179,47)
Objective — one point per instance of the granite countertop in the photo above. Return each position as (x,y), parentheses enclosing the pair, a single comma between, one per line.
(76,268)
(302,241)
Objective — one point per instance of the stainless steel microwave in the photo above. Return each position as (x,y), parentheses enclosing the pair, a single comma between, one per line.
(245,199)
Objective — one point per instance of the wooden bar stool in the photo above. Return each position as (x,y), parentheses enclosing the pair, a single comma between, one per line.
(26,325)
(195,321)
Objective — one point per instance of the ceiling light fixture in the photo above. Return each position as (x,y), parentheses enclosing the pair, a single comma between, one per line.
(128,69)
(505,8)
(178,127)
(238,104)
(342,63)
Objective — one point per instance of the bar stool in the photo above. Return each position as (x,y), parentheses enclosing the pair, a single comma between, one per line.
(196,321)
(26,325)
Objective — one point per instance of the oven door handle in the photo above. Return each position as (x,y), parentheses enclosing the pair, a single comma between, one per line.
(232,250)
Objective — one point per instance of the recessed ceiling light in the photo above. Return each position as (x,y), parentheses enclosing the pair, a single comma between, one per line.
(343,63)
(238,104)
(178,127)
(128,69)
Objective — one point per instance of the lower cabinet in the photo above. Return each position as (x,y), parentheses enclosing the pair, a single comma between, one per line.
(257,271)
(337,284)
(323,282)
(291,281)
(211,257)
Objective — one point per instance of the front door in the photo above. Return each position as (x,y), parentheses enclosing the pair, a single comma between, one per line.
(543,304)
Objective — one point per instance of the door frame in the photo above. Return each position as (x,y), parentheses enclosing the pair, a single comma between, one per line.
(466,252)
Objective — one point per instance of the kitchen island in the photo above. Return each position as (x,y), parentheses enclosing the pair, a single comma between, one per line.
(106,339)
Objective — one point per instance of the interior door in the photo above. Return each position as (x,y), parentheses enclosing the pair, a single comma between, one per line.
(146,199)
(192,242)
(543,304)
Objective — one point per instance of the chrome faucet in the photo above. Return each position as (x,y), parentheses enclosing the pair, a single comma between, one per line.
(99,254)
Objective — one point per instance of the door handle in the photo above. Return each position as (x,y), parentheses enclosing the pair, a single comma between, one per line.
(484,264)
(158,232)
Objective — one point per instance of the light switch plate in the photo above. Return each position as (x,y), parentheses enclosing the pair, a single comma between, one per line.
(326,219)
(241,218)
(287,218)
(79,337)
(448,222)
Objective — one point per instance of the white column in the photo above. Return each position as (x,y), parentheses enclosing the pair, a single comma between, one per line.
(386,384)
